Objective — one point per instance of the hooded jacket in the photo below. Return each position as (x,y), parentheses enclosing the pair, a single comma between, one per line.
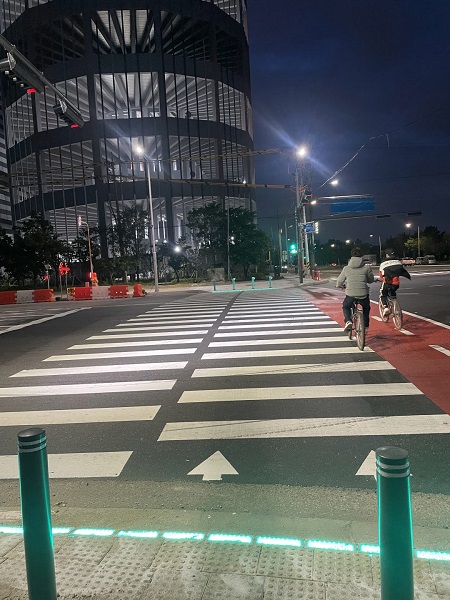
(391,270)
(355,276)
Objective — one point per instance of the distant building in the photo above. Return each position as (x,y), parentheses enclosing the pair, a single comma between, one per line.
(169,76)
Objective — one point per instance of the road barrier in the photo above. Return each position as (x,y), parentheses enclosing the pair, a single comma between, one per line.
(36,514)
(24,296)
(395,534)
(138,291)
(118,291)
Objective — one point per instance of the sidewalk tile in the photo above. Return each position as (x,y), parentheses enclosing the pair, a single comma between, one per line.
(335,567)
(231,559)
(169,584)
(293,589)
(237,587)
(293,563)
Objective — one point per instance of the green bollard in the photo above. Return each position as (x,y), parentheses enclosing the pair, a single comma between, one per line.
(214,285)
(233,281)
(395,535)
(253,283)
(36,514)
(270,281)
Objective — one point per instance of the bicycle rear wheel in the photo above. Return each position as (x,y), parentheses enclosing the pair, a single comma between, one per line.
(397,315)
(360,330)
(381,308)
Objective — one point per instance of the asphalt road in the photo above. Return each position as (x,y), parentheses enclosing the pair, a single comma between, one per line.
(257,389)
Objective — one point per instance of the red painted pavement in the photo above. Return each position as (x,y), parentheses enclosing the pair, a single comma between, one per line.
(427,368)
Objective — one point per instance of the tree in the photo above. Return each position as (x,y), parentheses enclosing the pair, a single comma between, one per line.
(248,244)
(6,255)
(35,247)
(126,238)
(209,228)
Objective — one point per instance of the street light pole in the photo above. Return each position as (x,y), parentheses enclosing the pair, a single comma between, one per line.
(152,230)
(228,244)
(418,240)
(80,222)
(300,234)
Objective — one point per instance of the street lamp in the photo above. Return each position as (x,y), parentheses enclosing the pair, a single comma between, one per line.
(418,237)
(80,222)
(302,152)
(334,182)
(140,152)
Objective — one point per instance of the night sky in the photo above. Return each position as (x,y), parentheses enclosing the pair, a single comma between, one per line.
(334,74)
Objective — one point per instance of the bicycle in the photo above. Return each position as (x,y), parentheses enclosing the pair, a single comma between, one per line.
(358,325)
(394,310)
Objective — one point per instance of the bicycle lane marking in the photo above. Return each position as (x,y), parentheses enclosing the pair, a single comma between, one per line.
(414,356)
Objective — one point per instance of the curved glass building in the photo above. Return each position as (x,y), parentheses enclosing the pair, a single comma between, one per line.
(169,76)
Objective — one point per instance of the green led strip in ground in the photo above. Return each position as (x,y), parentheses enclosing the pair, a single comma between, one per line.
(371,549)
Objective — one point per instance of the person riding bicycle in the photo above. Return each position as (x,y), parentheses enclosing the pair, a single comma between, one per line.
(355,277)
(390,272)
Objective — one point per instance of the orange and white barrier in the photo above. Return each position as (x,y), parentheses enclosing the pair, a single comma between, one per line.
(24,296)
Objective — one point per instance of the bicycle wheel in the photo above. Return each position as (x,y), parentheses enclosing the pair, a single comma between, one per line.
(360,330)
(397,315)
(381,308)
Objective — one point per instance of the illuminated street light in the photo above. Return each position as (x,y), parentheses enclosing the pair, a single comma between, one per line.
(334,182)
(302,151)
(347,241)
(418,237)
(177,249)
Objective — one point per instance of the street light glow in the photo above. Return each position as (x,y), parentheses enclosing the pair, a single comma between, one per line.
(347,241)
(140,150)
(302,151)
(177,249)
(408,224)
(334,182)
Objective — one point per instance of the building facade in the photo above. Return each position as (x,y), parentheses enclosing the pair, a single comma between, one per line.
(168,76)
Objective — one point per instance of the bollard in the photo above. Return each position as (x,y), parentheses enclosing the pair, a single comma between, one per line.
(318,275)
(233,281)
(395,535)
(270,281)
(253,283)
(36,514)
(214,285)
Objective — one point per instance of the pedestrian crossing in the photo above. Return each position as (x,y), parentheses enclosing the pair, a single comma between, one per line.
(240,369)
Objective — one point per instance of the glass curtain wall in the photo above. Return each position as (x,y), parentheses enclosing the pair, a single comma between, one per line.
(173,83)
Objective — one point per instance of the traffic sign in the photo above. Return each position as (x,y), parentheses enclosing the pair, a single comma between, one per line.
(63,269)
(308,227)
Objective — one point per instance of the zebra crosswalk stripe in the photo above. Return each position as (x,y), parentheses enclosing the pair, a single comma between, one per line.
(276,341)
(83,388)
(291,323)
(330,328)
(76,465)
(101,369)
(132,344)
(129,354)
(298,393)
(374,365)
(291,352)
(306,428)
(79,415)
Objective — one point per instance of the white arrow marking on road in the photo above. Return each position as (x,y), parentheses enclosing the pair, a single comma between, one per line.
(369,466)
(214,467)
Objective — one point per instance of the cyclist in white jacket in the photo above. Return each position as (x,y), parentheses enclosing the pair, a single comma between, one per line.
(355,277)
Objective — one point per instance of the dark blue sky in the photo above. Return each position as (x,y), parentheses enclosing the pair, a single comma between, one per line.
(333,75)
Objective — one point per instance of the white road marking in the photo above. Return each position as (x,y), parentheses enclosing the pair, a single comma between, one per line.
(149,321)
(179,313)
(165,328)
(108,355)
(131,344)
(132,333)
(81,389)
(309,340)
(100,369)
(303,428)
(373,365)
(290,323)
(301,392)
(278,319)
(406,332)
(377,318)
(69,466)
(440,349)
(291,352)
(265,313)
(214,467)
(369,466)
(330,328)
(44,319)
(82,415)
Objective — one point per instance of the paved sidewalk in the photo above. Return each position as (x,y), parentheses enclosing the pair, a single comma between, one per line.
(136,564)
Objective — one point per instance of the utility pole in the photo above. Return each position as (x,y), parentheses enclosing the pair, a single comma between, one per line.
(299,228)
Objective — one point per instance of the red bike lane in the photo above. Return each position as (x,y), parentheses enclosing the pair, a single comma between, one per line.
(410,353)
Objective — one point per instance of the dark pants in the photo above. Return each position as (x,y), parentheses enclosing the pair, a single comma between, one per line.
(347,304)
(388,288)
